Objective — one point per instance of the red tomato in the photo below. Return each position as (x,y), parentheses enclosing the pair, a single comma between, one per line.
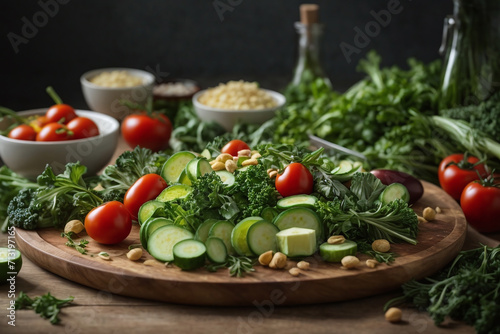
(149,131)
(61,113)
(234,146)
(109,223)
(455,172)
(83,127)
(23,132)
(295,180)
(146,188)
(54,132)
(480,202)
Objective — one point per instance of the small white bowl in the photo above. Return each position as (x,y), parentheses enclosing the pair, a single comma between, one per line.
(29,158)
(228,118)
(106,100)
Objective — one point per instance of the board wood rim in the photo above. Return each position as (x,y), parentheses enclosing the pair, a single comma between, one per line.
(323,283)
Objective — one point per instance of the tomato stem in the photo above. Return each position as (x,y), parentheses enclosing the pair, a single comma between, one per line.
(464,163)
(52,93)
(490,180)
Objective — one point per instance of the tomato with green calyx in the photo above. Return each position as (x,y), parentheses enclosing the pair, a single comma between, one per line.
(83,127)
(59,112)
(23,132)
(234,146)
(54,132)
(148,130)
(146,188)
(457,170)
(296,179)
(480,202)
(109,223)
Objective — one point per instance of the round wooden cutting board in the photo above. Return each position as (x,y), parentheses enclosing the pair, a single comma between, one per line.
(439,242)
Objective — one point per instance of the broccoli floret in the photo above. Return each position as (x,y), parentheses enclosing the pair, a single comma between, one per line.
(22,212)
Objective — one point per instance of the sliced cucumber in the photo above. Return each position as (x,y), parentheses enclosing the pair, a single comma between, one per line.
(198,167)
(174,192)
(216,250)
(204,228)
(269,214)
(206,154)
(300,217)
(261,237)
(174,166)
(11,261)
(149,226)
(161,242)
(189,254)
(148,209)
(297,242)
(393,192)
(239,236)
(226,177)
(222,230)
(335,252)
(184,178)
(307,201)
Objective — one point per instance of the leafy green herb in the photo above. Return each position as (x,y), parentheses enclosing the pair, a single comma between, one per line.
(366,248)
(361,217)
(79,246)
(56,200)
(46,305)
(238,266)
(468,289)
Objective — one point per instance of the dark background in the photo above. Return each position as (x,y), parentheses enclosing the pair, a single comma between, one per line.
(252,40)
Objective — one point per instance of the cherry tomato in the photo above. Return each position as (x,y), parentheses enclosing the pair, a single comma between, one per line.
(23,132)
(234,146)
(149,131)
(61,113)
(83,127)
(54,132)
(146,188)
(456,171)
(109,223)
(480,202)
(38,123)
(295,180)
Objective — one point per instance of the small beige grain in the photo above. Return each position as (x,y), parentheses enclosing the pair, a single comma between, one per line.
(350,261)
(394,315)
(336,239)
(370,263)
(74,226)
(294,272)
(134,254)
(381,245)
(429,214)
(303,265)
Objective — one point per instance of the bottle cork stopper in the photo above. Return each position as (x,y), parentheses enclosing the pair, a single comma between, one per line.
(309,13)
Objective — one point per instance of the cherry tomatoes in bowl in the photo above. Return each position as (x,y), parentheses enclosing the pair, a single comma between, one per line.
(146,188)
(61,113)
(83,127)
(234,146)
(23,132)
(150,131)
(54,132)
(480,202)
(296,179)
(456,171)
(109,223)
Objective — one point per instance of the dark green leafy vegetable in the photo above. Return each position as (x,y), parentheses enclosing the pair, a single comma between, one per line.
(46,305)
(58,199)
(468,289)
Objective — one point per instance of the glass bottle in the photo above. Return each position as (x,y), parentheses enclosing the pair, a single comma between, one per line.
(471,45)
(308,67)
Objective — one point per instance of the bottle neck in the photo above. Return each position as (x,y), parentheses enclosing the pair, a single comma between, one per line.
(308,63)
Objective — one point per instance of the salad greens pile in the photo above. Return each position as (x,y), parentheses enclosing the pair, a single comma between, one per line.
(467,289)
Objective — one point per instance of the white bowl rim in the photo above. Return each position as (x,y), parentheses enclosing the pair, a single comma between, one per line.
(278,97)
(149,78)
(115,125)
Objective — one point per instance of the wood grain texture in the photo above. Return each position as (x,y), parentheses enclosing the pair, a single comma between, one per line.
(438,242)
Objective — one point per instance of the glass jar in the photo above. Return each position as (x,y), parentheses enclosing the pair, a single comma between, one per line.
(471,45)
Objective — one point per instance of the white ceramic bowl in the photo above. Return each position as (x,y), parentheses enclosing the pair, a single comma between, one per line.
(228,118)
(106,100)
(29,158)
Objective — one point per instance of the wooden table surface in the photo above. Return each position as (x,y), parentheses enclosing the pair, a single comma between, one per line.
(101,312)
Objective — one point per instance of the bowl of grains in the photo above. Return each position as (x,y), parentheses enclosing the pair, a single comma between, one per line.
(105,90)
(237,101)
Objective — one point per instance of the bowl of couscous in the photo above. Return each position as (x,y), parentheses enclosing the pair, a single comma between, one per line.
(237,101)
(106,89)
